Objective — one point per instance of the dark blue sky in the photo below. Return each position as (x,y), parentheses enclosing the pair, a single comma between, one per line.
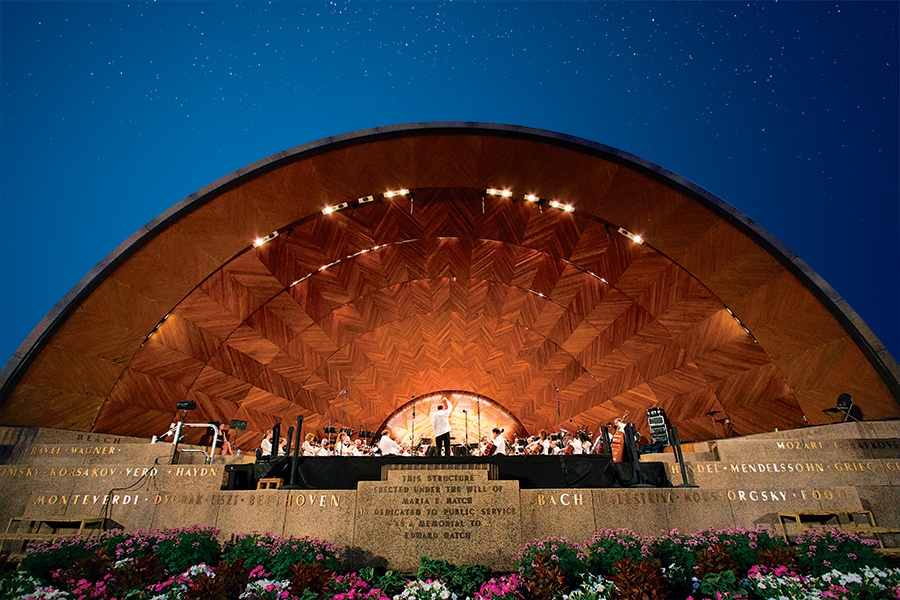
(112,112)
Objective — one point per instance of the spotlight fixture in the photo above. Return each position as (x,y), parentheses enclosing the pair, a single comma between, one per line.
(330,209)
(401,192)
(264,240)
(631,236)
(186,405)
(365,199)
(561,206)
(496,192)
(739,322)
(532,198)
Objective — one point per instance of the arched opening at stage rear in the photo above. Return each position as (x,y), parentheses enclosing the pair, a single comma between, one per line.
(473,416)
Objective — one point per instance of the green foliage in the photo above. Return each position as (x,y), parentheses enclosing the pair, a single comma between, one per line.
(822,550)
(464,581)
(678,559)
(42,560)
(141,566)
(722,581)
(17,584)
(417,589)
(608,546)
(593,587)
(552,567)
(391,582)
(715,559)
(744,545)
(638,580)
(278,555)
(180,549)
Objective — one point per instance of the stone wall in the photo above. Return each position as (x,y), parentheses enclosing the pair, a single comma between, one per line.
(461,515)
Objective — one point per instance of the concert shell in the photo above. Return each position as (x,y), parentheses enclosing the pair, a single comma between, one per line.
(267,293)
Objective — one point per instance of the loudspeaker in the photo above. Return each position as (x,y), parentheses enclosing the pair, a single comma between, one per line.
(659,426)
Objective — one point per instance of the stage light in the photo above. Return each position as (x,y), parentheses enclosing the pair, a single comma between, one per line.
(496,192)
(365,199)
(186,405)
(561,206)
(631,236)
(264,240)
(330,209)
(391,194)
(532,198)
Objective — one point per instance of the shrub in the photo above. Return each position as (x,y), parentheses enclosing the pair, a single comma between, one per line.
(638,580)
(826,549)
(42,559)
(464,581)
(783,583)
(426,590)
(180,549)
(228,580)
(391,582)
(593,587)
(278,555)
(551,567)
(744,545)
(715,559)
(310,581)
(608,546)
(175,587)
(677,554)
(506,587)
(353,587)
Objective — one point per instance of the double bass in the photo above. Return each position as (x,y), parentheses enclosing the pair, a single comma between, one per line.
(618,439)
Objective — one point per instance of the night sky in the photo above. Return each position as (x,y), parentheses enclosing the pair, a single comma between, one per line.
(112,112)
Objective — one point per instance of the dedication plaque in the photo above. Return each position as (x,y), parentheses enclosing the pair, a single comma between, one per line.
(438,511)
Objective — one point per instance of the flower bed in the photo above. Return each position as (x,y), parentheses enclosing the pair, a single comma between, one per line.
(191,563)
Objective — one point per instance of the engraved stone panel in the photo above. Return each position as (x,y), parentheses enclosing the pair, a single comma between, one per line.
(326,515)
(439,512)
(565,513)
(260,510)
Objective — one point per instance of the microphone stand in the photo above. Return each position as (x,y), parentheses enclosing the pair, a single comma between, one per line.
(412,432)
(479,419)
(712,415)
(676,443)
(466,413)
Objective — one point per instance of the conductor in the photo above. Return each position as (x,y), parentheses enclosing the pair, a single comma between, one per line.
(440,422)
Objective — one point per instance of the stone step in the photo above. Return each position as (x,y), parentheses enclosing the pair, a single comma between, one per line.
(806,449)
(767,472)
(83,454)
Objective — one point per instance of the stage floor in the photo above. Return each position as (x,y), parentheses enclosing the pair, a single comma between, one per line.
(532,472)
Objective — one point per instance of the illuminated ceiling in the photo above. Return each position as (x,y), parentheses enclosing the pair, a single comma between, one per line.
(507,267)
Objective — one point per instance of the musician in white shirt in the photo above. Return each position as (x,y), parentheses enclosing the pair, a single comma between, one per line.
(309,447)
(344,446)
(499,441)
(440,422)
(266,444)
(387,445)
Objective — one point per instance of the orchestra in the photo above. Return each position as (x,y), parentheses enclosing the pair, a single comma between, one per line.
(565,442)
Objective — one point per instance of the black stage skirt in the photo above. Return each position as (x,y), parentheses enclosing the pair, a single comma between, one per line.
(532,472)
